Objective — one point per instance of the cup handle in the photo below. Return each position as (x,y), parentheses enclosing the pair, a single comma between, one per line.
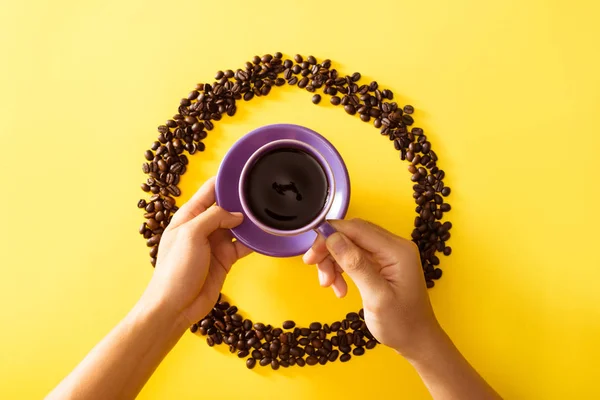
(325,229)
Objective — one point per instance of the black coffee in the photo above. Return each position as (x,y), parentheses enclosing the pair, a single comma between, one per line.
(286,189)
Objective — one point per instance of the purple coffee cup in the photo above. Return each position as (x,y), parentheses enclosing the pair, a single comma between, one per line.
(319,223)
(228,194)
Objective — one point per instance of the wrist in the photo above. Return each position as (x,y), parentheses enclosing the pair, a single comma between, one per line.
(157,310)
(427,341)
(430,345)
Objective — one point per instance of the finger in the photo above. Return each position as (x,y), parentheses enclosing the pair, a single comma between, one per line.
(220,236)
(212,219)
(339,286)
(356,263)
(364,234)
(200,201)
(326,272)
(317,253)
(241,250)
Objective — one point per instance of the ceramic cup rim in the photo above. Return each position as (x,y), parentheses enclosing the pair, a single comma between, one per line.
(295,144)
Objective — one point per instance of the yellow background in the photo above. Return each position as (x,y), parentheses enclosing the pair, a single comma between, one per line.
(508,91)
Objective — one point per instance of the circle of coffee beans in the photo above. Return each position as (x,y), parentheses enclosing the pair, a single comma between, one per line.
(289,345)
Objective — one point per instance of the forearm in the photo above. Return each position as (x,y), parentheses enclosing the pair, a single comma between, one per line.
(448,375)
(119,366)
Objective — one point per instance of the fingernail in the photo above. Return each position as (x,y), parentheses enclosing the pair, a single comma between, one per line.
(305,257)
(337,243)
(336,292)
(237,214)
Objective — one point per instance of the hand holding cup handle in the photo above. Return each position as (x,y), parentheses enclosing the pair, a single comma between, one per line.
(325,229)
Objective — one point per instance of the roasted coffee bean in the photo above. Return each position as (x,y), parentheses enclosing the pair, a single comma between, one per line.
(250,363)
(232,310)
(315,326)
(154,240)
(274,364)
(247,324)
(333,355)
(371,344)
(345,357)
(359,351)
(355,325)
(316,99)
(288,324)
(296,351)
(350,109)
(335,100)
(304,341)
(303,82)
(277,332)
(237,319)
(352,316)
(265,361)
(274,347)
(252,342)
(311,360)
(407,119)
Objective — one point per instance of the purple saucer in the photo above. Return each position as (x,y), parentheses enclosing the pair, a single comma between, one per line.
(227,187)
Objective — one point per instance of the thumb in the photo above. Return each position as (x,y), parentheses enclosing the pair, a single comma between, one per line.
(356,263)
(215,218)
